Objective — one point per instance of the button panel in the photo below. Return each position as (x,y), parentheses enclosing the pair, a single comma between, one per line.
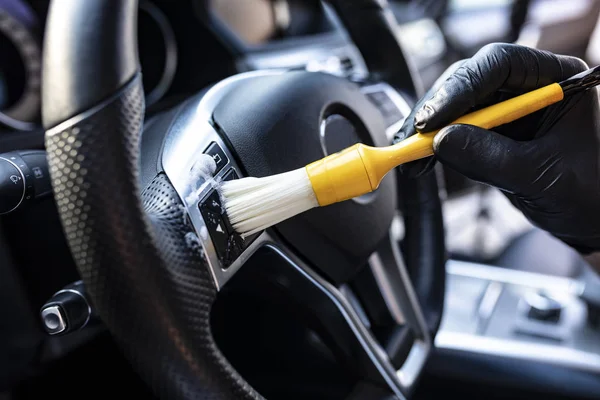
(218,155)
(228,243)
(39,174)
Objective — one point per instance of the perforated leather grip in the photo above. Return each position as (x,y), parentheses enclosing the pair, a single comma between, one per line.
(136,254)
(138,258)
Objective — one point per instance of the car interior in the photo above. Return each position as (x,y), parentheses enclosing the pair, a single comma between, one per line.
(120,273)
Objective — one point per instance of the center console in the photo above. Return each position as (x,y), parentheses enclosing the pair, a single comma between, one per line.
(520,316)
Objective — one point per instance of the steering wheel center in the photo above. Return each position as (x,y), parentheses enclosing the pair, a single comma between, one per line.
(285,121)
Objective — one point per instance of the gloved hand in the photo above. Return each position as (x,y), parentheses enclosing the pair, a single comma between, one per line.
(547,163)
(420,167)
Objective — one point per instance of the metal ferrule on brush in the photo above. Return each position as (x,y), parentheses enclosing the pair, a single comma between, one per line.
(581,82)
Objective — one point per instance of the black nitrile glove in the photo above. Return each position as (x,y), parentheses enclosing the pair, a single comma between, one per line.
(547,163)
(417,168)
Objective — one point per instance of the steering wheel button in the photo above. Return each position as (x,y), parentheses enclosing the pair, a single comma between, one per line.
(218,155)
(213,203)
(40,177)
(219,229)
(230,175)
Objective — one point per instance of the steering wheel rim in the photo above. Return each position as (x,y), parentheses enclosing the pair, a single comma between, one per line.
(93,142)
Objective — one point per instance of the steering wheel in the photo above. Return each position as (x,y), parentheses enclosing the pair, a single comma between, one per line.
(148,233)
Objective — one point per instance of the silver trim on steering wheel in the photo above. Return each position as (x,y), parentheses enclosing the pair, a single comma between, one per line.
(188,139)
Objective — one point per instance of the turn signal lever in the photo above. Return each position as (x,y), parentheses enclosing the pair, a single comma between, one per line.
(24,178)
(68,310)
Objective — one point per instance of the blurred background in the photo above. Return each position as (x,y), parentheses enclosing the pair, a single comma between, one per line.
(482,226)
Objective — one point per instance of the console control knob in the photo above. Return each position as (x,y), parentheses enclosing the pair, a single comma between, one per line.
(543,308)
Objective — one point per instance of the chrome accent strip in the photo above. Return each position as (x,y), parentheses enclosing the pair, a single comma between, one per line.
(417,357)
(385,287)
(414,363)
(410,291)
(322,132)
(399,295)
(190,136)
(24,185)
(488,304)
(557,355)
(514,277)
(355,304)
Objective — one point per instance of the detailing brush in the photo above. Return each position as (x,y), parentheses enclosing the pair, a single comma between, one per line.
(254,204)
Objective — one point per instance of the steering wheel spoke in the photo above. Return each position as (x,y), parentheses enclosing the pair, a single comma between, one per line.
(409,345)
(195,134)
(387,351)
(339,323)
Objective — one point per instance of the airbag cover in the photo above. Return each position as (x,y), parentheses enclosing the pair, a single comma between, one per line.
(274,125)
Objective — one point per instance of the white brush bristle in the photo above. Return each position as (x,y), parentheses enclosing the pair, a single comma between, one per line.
(254,204)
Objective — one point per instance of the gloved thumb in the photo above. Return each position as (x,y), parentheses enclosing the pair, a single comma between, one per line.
(485,156)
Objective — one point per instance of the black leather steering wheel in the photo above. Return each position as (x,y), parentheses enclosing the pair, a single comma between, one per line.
(137,217)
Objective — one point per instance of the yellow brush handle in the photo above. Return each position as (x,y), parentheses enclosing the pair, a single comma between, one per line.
(360,169)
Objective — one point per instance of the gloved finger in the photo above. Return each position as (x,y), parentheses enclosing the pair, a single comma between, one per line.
(496,67)
(487,157)
(417,168)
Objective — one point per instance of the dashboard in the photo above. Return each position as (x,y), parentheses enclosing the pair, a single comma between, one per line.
(183,46)
(257,22)
(20,65)
(21,36)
